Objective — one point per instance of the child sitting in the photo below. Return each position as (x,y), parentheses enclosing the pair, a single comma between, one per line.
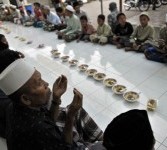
(87,29)
(122,31)
(38,15)
(158,52)
(144,33)
(103,31)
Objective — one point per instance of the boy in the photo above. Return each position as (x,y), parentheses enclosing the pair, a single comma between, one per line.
(103,31)
(158,52)
(122,31)
(38,15)
(73,26)
(144,33)
(87,29)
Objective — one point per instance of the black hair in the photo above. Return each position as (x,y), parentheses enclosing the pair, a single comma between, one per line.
(131,131)
(3,46)
(120,14)
(112,6)
(37,4)
(7,57)
(29,11)
(76,4)
(84,18)
(101,17)
(59,9)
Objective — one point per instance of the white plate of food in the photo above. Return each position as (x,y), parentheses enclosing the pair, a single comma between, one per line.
(109,82)
(65,58)
(83,67)
(99,76)
(119,89)
(41,46)
(152,104)
(56,55)
(73,62)
(53,51)
(91,72)
(131,96)
(22,39)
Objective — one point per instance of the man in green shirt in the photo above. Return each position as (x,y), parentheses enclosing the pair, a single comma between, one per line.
(73,26)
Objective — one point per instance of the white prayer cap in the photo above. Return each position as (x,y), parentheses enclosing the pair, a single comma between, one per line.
(47,7)
(166,18)
(145,14)
(70,8)
(15,76)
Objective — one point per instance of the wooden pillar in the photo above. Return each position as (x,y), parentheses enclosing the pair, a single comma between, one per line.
(120,5)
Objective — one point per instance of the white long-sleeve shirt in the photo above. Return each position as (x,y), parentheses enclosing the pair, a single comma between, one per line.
(53,18)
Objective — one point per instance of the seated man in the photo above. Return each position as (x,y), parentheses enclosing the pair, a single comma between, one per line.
(38,16)
(103,31)
(129,131)
(122,31)
(15,14)
(144,33)
(28,117)
(52,20)
(61,13)
(78,11)
(87,30)
(73,26)
(112,17)
(158,52)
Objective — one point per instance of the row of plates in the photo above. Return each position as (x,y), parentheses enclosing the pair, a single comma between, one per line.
(129,96)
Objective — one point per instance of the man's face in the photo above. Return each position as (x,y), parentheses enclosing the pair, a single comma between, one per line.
(77,9)
(122,20)
(38,92)
(67,13)
(100,21)
(144,20)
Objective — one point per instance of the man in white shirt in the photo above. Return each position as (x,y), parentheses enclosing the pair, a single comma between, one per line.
(52,19)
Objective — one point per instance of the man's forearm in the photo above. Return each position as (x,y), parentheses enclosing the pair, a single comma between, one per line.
(68,130)
(54,109)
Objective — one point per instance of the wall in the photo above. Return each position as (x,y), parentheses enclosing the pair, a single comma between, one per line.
(44,2)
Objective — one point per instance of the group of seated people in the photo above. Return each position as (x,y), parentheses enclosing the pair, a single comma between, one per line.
(72,23)
(31,117)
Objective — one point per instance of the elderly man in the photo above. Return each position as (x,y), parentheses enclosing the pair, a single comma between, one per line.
(30,125)
(73,26)
(52,20)
(158,51)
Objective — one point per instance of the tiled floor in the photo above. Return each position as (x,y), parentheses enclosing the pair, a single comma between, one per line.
(130,69)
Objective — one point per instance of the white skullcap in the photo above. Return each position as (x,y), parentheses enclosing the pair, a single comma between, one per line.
(15,76)
(145,14)
(47,7)
(70,8)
